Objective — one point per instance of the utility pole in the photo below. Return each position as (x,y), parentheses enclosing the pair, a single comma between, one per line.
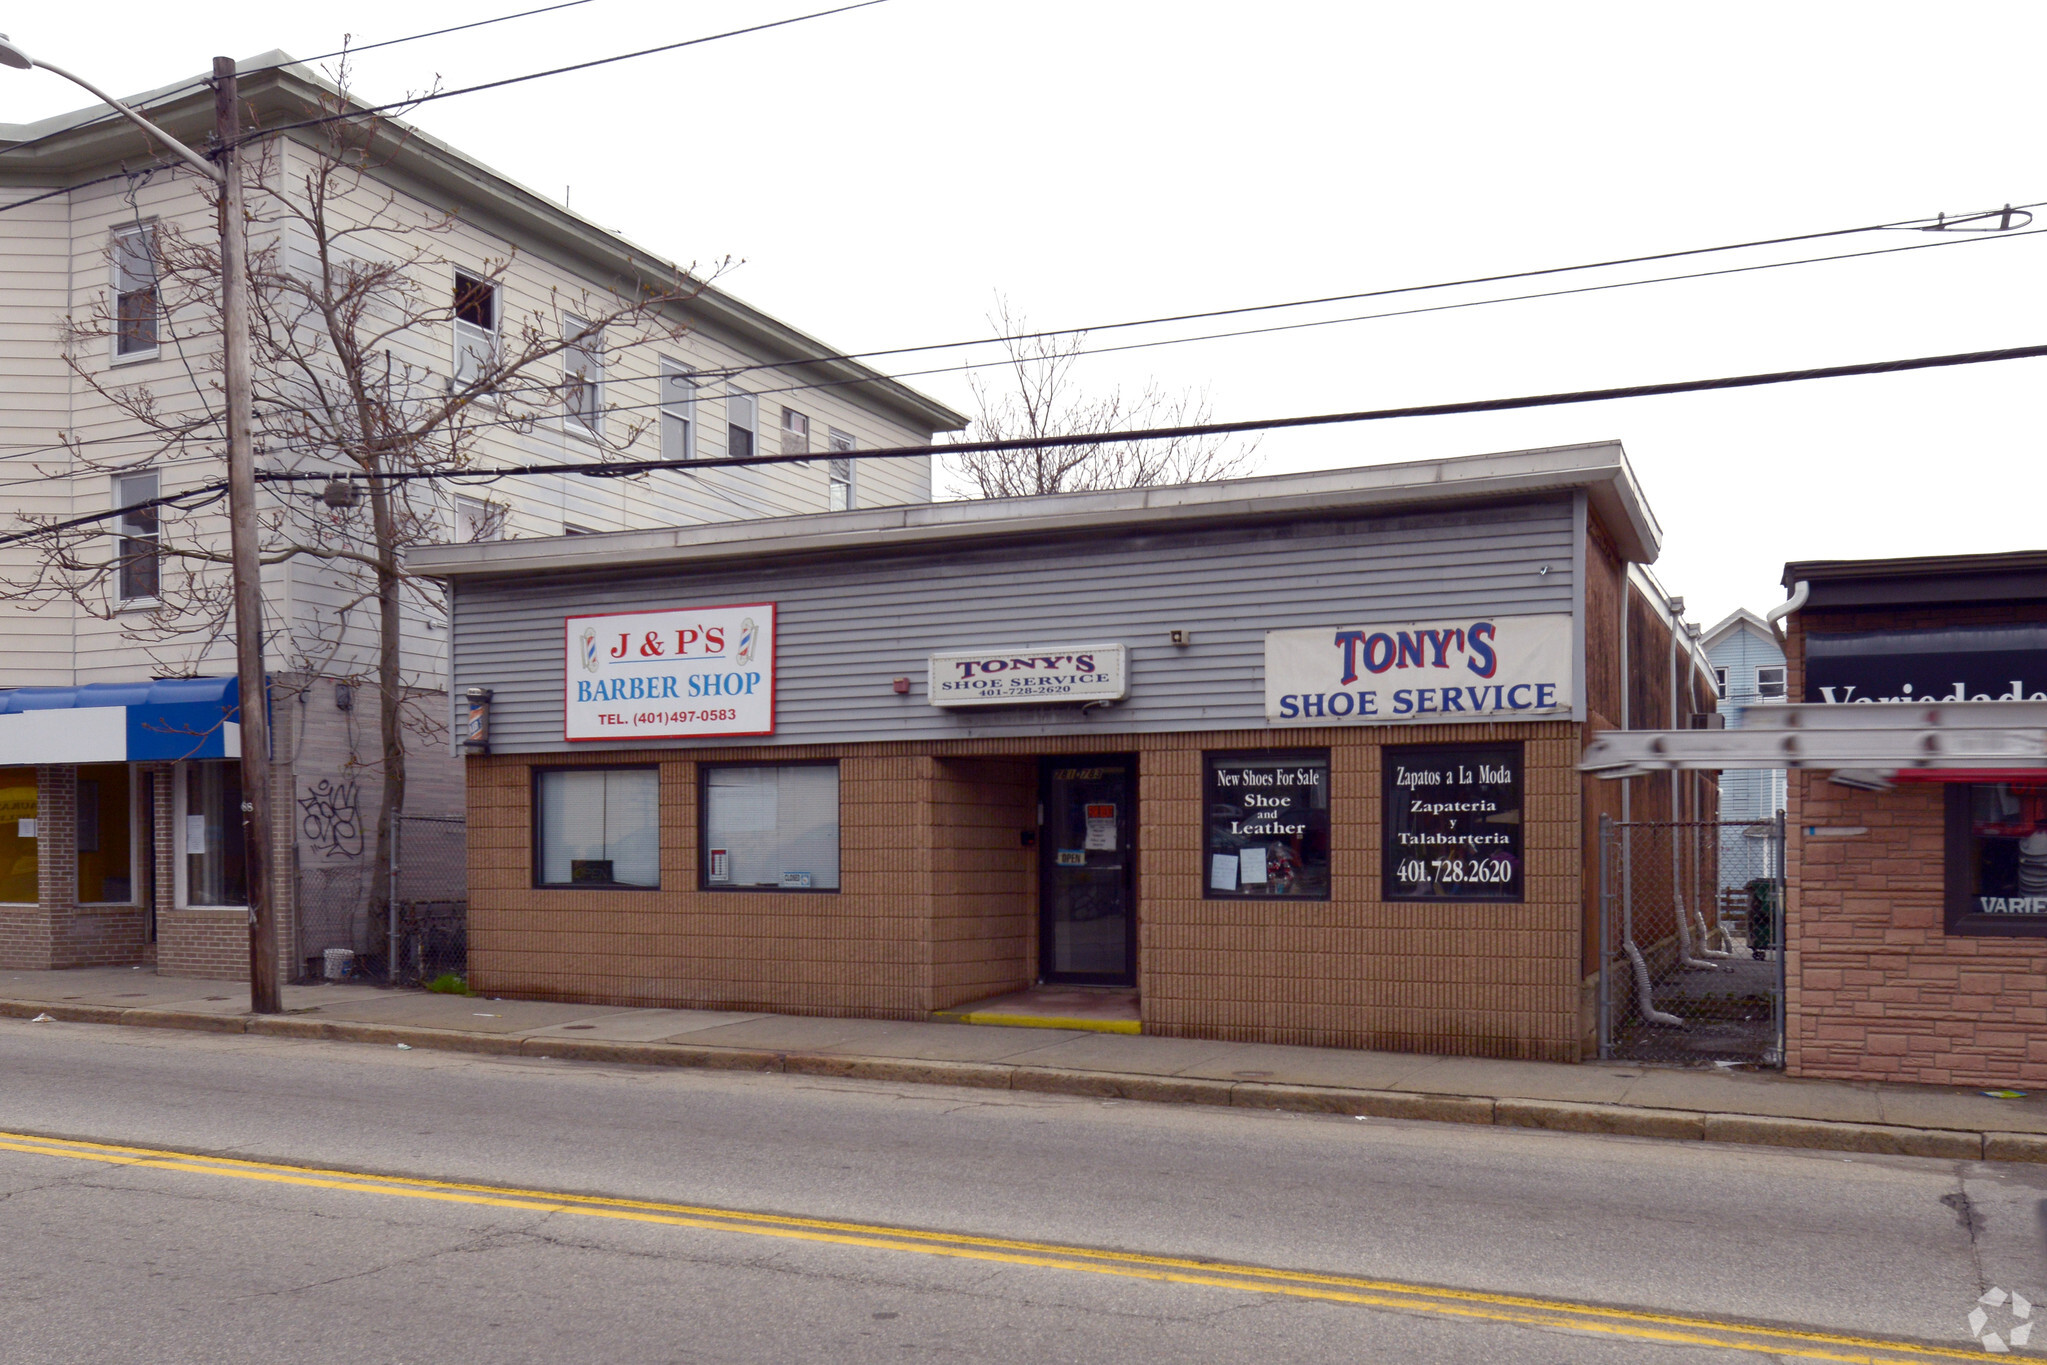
(264,991)
(247,569)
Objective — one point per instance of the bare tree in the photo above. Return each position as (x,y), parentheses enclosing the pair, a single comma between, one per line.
(356,375)
(1036,394)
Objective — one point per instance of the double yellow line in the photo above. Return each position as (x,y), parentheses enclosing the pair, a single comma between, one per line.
(1462,1304)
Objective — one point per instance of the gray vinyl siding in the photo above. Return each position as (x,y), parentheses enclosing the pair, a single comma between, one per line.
(849,627)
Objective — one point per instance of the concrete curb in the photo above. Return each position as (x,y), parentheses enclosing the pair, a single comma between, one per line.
(1622,1120)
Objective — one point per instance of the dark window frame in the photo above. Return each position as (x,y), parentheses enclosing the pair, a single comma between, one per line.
(1388,793)
(1958,920)
(534,774)
(1208,802)
(704,882)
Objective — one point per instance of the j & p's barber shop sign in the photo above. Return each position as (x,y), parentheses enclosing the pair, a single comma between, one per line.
(674,674)
(1480,668)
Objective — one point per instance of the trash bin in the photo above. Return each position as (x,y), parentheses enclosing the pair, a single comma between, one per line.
(1762,915)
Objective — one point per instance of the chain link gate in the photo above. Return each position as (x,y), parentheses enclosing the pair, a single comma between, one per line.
(1691,934)
(431,890)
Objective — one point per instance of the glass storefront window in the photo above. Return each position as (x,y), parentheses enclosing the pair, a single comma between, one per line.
(1268,826)
(1997,857)
(216,861)
(771,828)
(598,827)
(1450,819)
(105,851)
(18,836)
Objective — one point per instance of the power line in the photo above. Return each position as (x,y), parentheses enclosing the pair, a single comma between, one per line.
(627,468)
(1909,224)
(115,115)
(716,376)
(712,376)
(554,71)
(618,468)
(409,38)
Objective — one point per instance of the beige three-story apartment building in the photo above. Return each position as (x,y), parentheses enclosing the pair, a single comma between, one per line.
(119,831)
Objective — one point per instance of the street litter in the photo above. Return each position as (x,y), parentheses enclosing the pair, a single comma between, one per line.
(405,1047)
(44,1019)
(2005,1094)
(481,1015)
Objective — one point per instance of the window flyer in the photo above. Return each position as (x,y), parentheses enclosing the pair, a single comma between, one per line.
(1268,825)
(1452,822)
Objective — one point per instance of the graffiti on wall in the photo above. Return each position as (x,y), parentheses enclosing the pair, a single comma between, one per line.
(330,819)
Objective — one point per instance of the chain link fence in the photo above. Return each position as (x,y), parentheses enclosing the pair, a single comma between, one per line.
(344,933)
(1691,934)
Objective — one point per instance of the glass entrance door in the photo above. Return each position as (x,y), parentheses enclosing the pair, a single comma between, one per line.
(1088,924)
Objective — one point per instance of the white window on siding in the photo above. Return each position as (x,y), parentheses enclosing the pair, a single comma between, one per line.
(1770,682)
(678,400)
(795,432)
(136,306)
(476,326)
(839,470)
(478,519)
(772,828)
(598,827)
(741,423)
(583,374)
(1720,682)
(138,547)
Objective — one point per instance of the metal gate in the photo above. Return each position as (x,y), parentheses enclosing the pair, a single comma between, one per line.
(1691,934)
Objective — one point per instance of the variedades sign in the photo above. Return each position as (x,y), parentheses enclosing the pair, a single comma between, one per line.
(1476,668)
(675,674)
(1046,673)
(1963,663)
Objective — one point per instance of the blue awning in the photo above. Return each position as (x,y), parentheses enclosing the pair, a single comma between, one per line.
(158,721)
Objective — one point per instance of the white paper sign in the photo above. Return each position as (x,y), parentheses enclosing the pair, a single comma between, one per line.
(1047,673)
(195,834)
(25,829)
(1475,668)
(1222,872)
(672,674)
(1101,829)
(1251,865)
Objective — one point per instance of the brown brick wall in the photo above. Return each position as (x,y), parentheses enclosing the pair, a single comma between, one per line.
(205,942)
(1875,987)
(938,903)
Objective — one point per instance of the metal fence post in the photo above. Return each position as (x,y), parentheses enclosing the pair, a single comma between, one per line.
(1605,939)
(391,948)
(1783,928)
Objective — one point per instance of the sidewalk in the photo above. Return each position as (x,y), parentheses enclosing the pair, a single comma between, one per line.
(1718,1106)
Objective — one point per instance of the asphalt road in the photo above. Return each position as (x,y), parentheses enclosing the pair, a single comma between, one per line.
(351,1203)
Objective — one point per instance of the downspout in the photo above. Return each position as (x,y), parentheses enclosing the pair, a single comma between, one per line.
(1679,826)
(1799,592)
(1644,1002)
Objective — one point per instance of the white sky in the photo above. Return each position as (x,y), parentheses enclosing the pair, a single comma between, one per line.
(884,173)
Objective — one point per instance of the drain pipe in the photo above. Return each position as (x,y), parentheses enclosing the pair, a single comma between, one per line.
(1688,958)
(1644,1001)
(1799,592)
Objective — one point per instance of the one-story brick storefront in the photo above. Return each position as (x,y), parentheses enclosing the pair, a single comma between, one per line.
(1918,912)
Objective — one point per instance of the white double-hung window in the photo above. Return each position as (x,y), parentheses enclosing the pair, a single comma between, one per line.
(839,471)
(136,303)
(741,422)
(138,531)
(678,403)
(583,373)
(476,326)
